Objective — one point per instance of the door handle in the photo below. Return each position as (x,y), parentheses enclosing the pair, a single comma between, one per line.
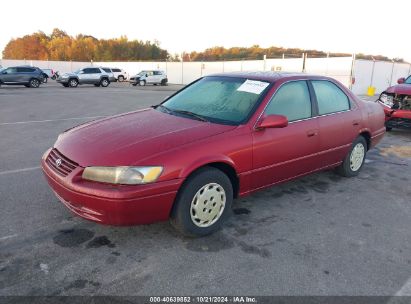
(355,123)
(312,133)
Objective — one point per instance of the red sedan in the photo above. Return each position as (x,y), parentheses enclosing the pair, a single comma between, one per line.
(221,137)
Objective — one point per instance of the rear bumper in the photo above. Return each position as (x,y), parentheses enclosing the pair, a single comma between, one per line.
(112,204)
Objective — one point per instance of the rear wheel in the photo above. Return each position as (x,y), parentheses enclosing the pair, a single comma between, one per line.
(203,202)
(142,83)
(121,78)
(163,82)
(34,83)
(104,82)
(354,160)
(73,83)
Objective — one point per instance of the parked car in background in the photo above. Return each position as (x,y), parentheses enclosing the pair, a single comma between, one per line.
(396,102)
(120,74)
(110,74)
(89,75)
(224,136)
(22,75)
(154,77)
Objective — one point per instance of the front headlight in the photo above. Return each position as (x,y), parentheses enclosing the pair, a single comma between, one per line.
(122,175)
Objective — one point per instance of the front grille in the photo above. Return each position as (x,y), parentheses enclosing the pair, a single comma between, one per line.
(59,163)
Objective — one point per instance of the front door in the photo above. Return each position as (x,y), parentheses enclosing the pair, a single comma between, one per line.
(283,153)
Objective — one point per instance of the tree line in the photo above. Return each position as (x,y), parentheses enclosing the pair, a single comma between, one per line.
(60,46)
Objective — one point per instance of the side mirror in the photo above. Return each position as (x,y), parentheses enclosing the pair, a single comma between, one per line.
(146,75)
(401,80)
(273,121)
(81,72)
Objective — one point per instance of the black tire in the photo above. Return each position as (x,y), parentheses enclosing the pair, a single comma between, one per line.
(164,82)
(347,168)
(142,83)
(104,82)
(121,78)
(134,84)
(27,85)
(73,83)
(182,212)
(45,79)
(96,84)
(388,129)
(65,85)
(34,83)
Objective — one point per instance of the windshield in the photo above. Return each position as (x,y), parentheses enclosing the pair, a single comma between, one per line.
(76,72)
(227,100)
(142,73)
(408,80)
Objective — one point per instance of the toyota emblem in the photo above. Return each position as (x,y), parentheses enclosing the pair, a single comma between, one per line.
(58,162)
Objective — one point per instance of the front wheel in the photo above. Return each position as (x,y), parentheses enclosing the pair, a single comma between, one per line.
(34,83)
(354,160)
(73,83)
(104,82)
(142,83)
(203,202)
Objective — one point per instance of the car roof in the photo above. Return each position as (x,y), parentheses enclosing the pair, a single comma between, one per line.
(269,75)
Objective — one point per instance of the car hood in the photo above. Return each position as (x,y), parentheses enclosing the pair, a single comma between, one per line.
(130,138)
(403,89)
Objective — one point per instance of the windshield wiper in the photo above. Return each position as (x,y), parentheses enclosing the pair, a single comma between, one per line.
(199,117)
(188,113)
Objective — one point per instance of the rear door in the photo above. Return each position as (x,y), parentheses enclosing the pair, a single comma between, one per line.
(283,153)
(24,74)
(338,120)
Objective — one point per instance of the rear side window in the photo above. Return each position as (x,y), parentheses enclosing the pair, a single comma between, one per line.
(292,100)
(106,70)
(158,73)
(330,98)
(25,70)
(116,70)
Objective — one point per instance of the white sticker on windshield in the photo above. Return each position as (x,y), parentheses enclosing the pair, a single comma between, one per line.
(253,86)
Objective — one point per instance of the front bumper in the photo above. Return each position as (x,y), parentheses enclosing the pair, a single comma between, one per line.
(112,204)
(399,123)
(62,80)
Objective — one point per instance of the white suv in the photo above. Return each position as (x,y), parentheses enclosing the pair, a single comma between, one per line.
(119,74)
(149,77)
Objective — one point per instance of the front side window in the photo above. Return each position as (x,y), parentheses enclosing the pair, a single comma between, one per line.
(226,100)
(10,71)
(330,98)
(291,100)
(408,80)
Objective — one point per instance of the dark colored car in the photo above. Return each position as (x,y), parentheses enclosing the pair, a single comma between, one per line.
(219,138)
(396,102)
(28,76)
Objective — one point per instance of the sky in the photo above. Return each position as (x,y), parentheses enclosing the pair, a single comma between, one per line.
(349,26)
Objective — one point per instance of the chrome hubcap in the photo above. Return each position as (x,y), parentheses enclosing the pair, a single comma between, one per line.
(357,157)
(141,83)
(73,83)
(208,205)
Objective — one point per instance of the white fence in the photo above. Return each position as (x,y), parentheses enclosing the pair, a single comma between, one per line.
(366,73)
